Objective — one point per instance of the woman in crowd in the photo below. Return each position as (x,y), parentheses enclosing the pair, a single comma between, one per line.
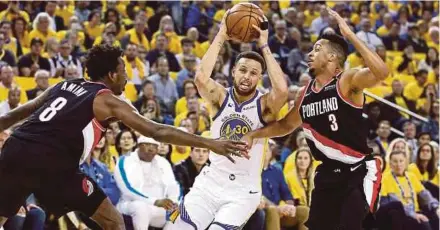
(425,169)
(112,15)
(103,154)
(152,110)
(41,28)
(19,31)
(108,36)
(289,164)
(432,127)
(93,28)
(300,178)
(125,142)
(51,48)
(400,193)
(431,58)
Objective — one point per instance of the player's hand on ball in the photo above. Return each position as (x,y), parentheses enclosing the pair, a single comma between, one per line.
(248,139)
(165,203)
(263,30)
(229,147)
(223,32)
(343,26)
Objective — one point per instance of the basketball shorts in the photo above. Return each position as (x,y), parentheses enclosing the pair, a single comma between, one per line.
(343,196)
(218,198)
(58,192)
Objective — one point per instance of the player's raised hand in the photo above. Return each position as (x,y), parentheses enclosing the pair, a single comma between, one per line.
(343,26)
(263,30)
(165,203)
(229,148)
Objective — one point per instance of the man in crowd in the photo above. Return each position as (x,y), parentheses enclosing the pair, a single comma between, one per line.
(383,132)
(161,51)
(63,59)
(42,81)
(29,63)
(12,102)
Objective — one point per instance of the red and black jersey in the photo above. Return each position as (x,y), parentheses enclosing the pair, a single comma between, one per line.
(334,126)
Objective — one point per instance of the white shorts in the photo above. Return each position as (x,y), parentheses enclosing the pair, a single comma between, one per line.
(219,198)
(143,214)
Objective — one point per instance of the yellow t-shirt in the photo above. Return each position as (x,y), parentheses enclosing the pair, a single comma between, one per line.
(204,47)
(218,16)
(174,45)
(4,94)
(8,16)
(382,31)
(81,37)
(182,116)
(12,46)
(298,188)
(177,157)
(181,105)
(289,164)
(66,12)
(93,32)
(309,17)
(412,91)
(425,176)
(355,61)
(37,34)
(139,65)
(135,39)
(98,41)
(198,51)
(401,102)
(390,186)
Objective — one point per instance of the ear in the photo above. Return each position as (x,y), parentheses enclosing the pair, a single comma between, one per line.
(112,76)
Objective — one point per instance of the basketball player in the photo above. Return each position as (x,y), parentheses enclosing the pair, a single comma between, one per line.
(330,111)
(65,122)
(227,194)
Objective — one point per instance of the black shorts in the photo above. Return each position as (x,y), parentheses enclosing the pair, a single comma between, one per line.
(343,196)
(58,191)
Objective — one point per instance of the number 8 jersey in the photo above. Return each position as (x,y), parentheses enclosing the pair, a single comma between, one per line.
(65,123)
(333,125)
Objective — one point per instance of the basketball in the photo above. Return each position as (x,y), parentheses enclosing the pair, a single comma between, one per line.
(240,19)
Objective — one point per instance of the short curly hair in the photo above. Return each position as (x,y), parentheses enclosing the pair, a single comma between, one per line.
(101,60)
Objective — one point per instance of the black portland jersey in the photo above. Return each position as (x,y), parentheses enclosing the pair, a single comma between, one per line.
(65,124)
(334,127)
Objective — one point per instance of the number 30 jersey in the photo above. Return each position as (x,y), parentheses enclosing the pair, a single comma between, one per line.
(334,127)
(65,124)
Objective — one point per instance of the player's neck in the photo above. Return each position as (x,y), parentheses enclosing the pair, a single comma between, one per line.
(323,78)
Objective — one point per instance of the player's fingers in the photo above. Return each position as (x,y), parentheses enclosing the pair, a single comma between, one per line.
(230,158)
(256,28)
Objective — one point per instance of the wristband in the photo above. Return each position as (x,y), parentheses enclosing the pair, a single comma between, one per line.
(264,46)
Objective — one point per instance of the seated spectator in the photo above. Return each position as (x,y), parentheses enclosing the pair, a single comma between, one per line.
(11,43)
(7,83)
(51,48)
(398,144)
(93,27)
(432,127)
(135,68)
(393,41)
(266,79)
(415,40)
(180,153)
(296,62)
(161,51)
(63,59)
(410,132)
(99,173)
(281,43)
(152,111)
(148,92)
(58,22)
(6,56)
(125,142)
(431,58)
(383,133)
(187,73)
(187,50)
(136,35)
(425,169)
(108,36)
(221,79)
(147,185)
(103,154)
(415,89)
(193,106)
(190,90)
(300,179)
(368,37)
(42,81)
(403,187)
(13,11)
(187,170)
(193,35)
(30,216)
(82,11)
(384,30)
(397,97)
(29,63)
(428,96)
(12,102)
(112,15)
(165,87)
(320,21)
(41,28)
(277,199)
(408,65)
(71,72)
(423,138)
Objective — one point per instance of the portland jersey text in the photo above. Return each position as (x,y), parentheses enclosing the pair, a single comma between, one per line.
(232,121)
(65,123)
(334,127)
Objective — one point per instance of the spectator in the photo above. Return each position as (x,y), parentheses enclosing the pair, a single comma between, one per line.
(266,79)
(6,56)
(275,190)
(199,15)
(21,34)
(304,80)
(383,133)
(81,11)
(320,22)
(180,153)
(63,59)
(134,67)
(12,102)
(431,58)
(399,145)
(7,83)
(10,42)
(166,26)
(408,66)
(71,72)
(187,50)
(432,127)
(58,22)
(42,81)
(13,11)
(190,90)
(425,169)
(187,73)
(152,111)
(221,79)
(99,173)
(415,41)
(408,196)
(93,27)
(125,142)
(397,97)
(368,37)
(392,41)
(187,170)
(423,138)
(165,151)
(41,28)
(102,153)
(136,34)
(296,62)
(161,50)
(281,43)
(147,185)
(414,90)
(410,132)
(193,106)
(193,35)
(374,116)
(51,48)
(29,63)
(165,87)
(109,36)
(385,29)
(29,216)
(148,92)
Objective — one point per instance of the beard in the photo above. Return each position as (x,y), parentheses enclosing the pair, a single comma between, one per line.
(244,93)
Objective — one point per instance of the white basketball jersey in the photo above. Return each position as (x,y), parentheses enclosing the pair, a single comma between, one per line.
(231,122)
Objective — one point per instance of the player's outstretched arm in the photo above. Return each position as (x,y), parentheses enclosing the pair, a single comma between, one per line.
(210,90)
(277,96)
(376,70)
(22,112)
(107,106)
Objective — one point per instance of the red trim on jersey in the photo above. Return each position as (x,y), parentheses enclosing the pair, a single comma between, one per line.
(314,83)
(103,91)
(345,98)
(95,122)
(376,185)
(303,94)
(97,132)
(332,144)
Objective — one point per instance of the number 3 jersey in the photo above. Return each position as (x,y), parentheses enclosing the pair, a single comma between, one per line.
(65,124)
(334,127)
(231,122)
